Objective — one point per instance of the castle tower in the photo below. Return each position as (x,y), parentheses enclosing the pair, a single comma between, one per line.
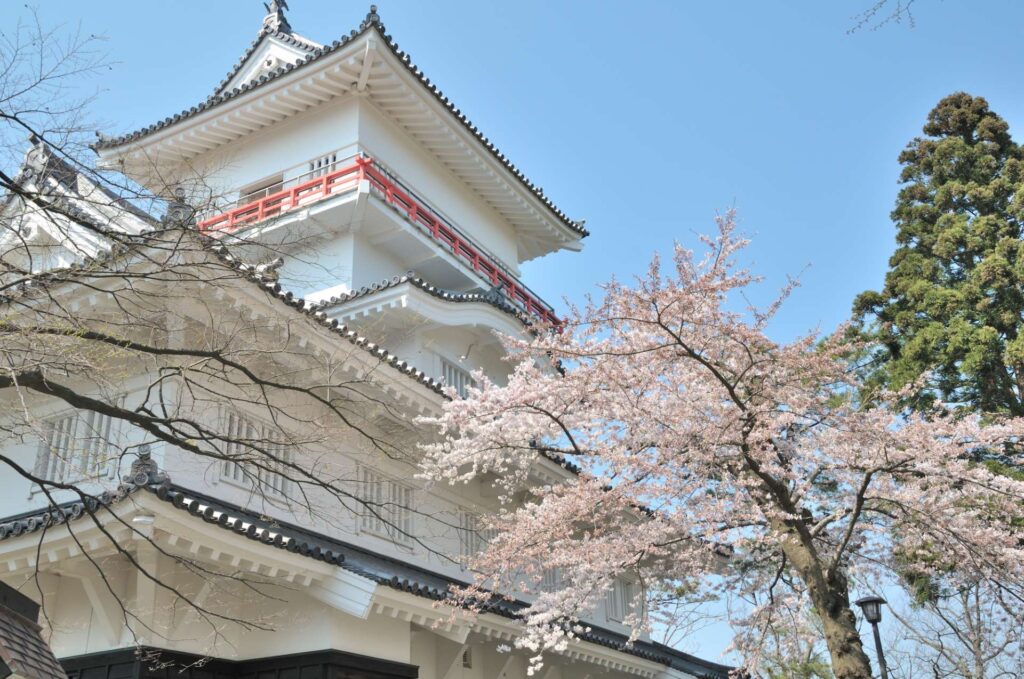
(391,209)
(391,232)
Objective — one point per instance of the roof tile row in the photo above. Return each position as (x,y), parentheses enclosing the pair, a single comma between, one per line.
(495,299)
(313,312)
(372,21)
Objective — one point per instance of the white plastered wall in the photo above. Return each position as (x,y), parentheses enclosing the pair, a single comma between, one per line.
(346,125)
(395,149)
(333,126)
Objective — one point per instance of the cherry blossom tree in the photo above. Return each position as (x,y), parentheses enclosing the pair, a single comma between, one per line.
(706,452)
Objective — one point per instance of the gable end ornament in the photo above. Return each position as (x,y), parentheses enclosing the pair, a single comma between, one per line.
(275,19)
(145,471)
(372,18)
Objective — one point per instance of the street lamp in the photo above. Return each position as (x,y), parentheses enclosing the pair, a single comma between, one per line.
(872,608)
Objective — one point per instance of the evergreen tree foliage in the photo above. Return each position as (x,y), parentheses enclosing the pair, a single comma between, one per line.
(952,303)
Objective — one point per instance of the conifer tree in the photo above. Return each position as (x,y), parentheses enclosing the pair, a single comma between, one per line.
(951,307)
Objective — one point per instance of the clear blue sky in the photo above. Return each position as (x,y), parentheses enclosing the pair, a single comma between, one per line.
(645,118)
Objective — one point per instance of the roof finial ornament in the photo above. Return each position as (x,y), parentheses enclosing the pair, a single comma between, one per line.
(145,471)
(179,213)
(36,157)
(495,295)
(371,17)
(275,19)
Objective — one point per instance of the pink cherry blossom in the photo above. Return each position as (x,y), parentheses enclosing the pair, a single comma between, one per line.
(709,455)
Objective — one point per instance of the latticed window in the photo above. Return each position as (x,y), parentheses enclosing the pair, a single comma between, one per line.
(250,442)
(456,376)
(472,537)
(76,446)
(550,579)
(469,539)
(621,599)
(321,166)
(387,509)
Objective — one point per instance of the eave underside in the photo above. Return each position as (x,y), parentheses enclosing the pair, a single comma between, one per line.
(304,558)
(368,66)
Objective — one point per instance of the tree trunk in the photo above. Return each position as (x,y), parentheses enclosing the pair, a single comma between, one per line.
(849,661)
(831,600)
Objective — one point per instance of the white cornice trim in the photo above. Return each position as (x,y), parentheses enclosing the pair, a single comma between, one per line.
(351,70)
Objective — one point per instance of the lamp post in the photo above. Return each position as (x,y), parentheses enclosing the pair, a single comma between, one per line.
(872,608)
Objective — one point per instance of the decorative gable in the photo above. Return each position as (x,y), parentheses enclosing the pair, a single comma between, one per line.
(271,51)
(275,47)
(59,215)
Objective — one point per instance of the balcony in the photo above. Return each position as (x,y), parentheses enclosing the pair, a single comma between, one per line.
(344,177)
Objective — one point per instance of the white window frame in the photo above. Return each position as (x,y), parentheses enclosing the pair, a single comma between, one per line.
(454,375)
(472,538)
(550,579)
(322,165)
(76,446)
(240,426)
(260,189)
(391,515)
(619,602)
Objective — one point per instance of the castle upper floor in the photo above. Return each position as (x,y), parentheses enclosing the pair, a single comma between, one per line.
(292,111)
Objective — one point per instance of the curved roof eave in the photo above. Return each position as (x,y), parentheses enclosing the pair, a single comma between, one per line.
(372,22)
(381,569)
(410,278)
(270,287)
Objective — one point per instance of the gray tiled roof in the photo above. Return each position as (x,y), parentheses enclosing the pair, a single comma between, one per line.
(313,312)
(44,163)
(23,650)
(383,570)
(371,22)
(498,301)
(37,520)
(398,574)
(253,274)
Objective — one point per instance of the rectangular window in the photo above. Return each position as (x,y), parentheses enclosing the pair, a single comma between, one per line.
(469,537)
(77,445)
(387,511)
(473,538)
(260,189)
(621,599)
(551,580)
(322,166)
(249,442)
(457,377)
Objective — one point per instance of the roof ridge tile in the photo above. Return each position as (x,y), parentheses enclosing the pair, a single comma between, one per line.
(404,58)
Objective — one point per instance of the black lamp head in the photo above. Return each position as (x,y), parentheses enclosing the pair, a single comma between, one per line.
(872,607)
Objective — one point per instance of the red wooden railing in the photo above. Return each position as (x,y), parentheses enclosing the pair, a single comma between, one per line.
(334,183)
(347,178)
